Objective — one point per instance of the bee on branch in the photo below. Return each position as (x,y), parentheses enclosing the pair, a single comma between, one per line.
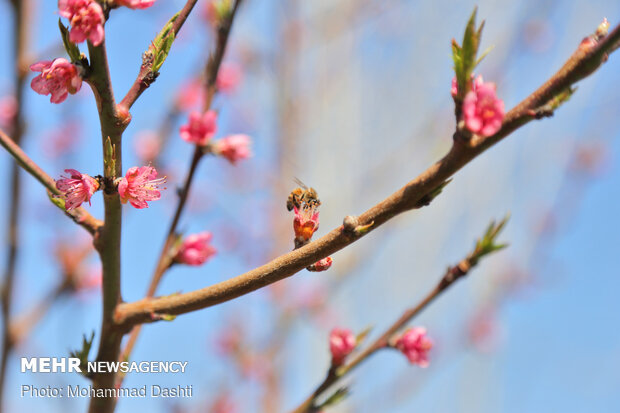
(302,197)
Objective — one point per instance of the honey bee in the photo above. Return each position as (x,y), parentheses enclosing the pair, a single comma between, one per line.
(302,197)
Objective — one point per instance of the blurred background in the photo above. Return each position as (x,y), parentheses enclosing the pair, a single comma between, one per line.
(353,98)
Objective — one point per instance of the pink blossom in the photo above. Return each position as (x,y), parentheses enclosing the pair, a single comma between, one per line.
(196,249)
(483,111)
(415,345)
(228,77)
(76,188)
(58,78)
(475,82)
(135,4)
(8,110)
(190,94)
(200,128)
(234,147)
(139,186)
(86,19)
(305,223)
(341,344)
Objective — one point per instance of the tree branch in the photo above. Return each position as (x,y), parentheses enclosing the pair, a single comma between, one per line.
(79,215)
(108,241)
(165,259)
(484,246)
(22,13)
(581,64)
(146,76)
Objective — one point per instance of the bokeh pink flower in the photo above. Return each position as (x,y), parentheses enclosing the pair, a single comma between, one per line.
(58,78)
(8,111)
(234,148)
(483,112)
(135,4)
(341,344)
(190,94)
(228,77)
(196,249)
(147,145)
(86,20)
(484,330)
(223,404)
(139,185)
(414,344)
(76,188)
(62,139)
(90,279)
(200,127)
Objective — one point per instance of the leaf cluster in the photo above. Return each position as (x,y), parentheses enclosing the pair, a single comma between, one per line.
(465,56)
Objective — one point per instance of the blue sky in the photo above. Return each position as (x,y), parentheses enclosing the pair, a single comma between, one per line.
(356,106)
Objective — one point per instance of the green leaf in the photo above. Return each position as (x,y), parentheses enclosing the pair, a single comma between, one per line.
(483,55)
(470,41)
(486,245)
(359,339)
(72,49)
(465,56)
(339,395)
(83,353)
(160,47)
(162,54)
(428,198)
(56,200)
(165,31)
(109,157)
(223,10)
(561,97)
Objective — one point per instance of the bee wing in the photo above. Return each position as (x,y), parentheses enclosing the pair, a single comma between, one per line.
(298,182)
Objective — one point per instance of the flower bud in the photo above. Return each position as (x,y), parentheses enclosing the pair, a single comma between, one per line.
(414,344)
(341,344)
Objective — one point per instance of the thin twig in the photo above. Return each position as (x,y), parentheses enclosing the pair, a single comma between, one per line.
(165,259)
(484,246)
(146,76)
(581,64)
(79,215)
(22,12)
(23,324)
